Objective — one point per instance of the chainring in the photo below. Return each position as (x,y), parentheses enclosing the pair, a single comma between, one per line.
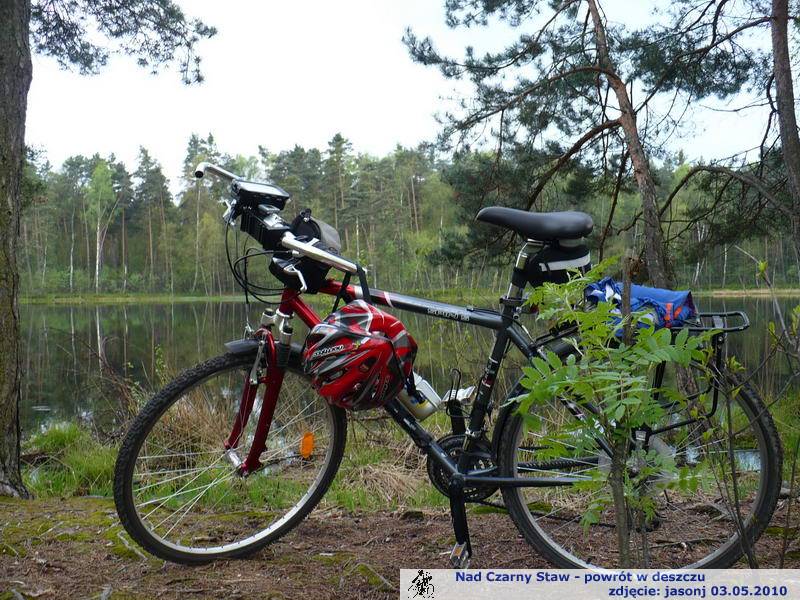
(481,459)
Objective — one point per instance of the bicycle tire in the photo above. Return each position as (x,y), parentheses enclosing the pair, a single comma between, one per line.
(732,550)
(147,419)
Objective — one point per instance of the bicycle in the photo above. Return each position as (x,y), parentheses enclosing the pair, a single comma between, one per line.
(212,469)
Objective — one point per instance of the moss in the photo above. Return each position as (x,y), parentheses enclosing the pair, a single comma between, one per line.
(777,531)
(540,507)
(372,578)
(88,519)
(334,558)
(488,510)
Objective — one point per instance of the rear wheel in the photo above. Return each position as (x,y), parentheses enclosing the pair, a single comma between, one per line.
(692,526)
(178,493)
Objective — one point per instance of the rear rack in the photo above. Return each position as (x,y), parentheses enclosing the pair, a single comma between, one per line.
(723,321)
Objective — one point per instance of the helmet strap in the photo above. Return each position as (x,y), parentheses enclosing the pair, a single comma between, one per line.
(342,291)
(362,280)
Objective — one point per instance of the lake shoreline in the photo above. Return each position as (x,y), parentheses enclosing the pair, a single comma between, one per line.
(99,299)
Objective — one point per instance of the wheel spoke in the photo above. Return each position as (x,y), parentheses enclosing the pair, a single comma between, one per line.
(691,522)
(185,491)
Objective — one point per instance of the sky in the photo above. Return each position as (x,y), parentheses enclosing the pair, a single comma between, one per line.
(284,73)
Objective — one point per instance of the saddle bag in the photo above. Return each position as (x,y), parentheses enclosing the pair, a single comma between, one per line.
(554,262)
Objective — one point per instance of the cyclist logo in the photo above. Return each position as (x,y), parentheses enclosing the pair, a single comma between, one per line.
(421,585)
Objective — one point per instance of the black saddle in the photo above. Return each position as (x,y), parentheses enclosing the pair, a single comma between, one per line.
(545,227)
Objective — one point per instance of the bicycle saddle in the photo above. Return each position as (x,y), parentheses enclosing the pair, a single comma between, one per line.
(545,227)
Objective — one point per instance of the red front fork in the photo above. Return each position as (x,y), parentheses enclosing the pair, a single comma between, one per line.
(273,380)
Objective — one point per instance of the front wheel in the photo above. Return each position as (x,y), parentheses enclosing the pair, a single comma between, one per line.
(179,494)
(692,520)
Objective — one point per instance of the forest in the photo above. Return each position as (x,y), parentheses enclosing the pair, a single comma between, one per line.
(95,225)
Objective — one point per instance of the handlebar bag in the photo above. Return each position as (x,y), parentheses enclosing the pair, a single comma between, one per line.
(318,233)
(664,308)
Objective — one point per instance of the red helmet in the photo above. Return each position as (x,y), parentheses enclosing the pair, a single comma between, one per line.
(359,357)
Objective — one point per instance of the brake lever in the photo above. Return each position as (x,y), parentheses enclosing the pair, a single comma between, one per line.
(291,270)
(230,214)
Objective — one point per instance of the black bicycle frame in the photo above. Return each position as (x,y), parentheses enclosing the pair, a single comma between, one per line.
(507,329)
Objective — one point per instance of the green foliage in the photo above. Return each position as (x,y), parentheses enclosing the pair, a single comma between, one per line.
(83,34)
(610,380)
(100,192)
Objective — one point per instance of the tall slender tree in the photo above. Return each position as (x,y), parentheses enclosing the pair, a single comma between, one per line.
(102,203)
(787,120)
(337,168)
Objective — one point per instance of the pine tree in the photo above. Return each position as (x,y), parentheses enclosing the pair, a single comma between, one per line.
(567,76)
(102,203)
(337,177)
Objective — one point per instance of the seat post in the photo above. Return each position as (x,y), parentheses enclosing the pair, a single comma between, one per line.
(517,285)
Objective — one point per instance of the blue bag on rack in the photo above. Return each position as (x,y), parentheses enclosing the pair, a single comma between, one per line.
(665,308)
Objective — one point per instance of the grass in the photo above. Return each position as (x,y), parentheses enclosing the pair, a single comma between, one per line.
(789,292)
(68,461)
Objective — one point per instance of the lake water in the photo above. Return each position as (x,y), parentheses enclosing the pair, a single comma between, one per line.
(65,348)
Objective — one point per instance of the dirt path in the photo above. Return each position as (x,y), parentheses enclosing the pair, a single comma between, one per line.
(74,548)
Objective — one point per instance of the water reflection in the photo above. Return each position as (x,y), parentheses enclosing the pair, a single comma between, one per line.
(66,348)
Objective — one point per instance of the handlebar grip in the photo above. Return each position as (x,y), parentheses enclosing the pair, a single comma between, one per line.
(200,171)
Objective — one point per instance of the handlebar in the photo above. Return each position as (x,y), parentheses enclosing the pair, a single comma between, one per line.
(288,240)
(201,169)
(292,243)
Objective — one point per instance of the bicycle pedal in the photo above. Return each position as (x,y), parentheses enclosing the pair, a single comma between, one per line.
(460,556)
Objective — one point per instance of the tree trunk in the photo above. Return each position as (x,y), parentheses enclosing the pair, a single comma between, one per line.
(150,244)
(167,246)
(72,248)
(335,213)
(724,265)
(784,96)
(654,239)
(196,235)
(26,245)
(98,255)
(414,213)
(15,75)
(86,236)
(124,254)
(44,255)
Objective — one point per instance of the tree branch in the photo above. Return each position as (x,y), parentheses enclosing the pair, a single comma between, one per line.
(745,179)
(623,163)
(586,137)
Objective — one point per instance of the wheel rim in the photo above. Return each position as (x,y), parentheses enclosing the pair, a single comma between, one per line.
(692,528)
(185,490)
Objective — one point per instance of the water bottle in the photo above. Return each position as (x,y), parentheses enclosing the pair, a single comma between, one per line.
(424,402)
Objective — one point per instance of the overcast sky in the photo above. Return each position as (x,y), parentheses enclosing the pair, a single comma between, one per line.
(286,73)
